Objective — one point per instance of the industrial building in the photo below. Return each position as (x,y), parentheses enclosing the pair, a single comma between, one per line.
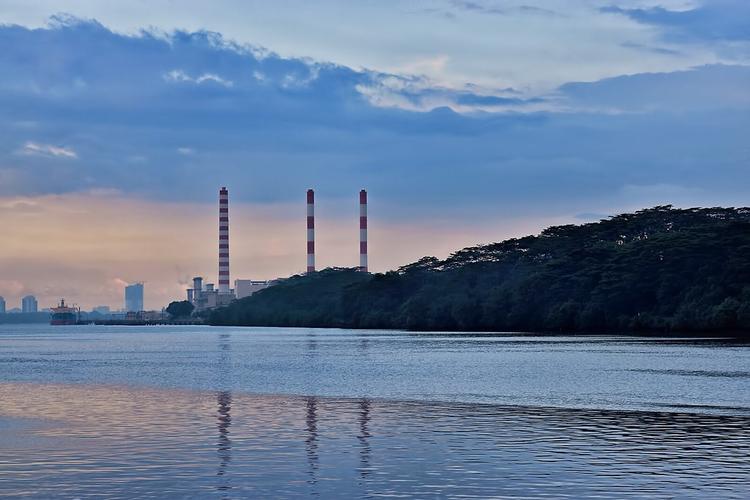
(206,296)
(245,288)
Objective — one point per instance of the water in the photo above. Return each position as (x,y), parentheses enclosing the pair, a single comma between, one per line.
(233,413)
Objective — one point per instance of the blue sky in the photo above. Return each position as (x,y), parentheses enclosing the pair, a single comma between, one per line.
(453,114)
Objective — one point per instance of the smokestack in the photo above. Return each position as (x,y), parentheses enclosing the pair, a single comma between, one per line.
(197,285)
(223,241)
(363,231)
(310,231)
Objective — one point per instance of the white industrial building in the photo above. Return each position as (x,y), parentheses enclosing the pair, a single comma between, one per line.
(207,296)
(245,288)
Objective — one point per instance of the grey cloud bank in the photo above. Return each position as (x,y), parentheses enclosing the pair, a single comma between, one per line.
(714,20)
(170,116)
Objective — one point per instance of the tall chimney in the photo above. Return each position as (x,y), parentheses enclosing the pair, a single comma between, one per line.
(363,231)
(223,241)
(310,231)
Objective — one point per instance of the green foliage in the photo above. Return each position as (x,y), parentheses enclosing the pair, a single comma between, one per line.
(182,309)
(656,270)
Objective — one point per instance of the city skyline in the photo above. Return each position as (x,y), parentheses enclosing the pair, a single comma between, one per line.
(119,130)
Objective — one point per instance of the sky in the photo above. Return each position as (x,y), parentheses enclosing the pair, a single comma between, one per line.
(467,121)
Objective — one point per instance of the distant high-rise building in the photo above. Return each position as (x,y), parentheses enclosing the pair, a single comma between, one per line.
(29,304)
(134,297)
(2,305)
(103,310)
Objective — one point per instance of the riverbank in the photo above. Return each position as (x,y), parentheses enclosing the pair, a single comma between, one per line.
(125,322)
(654,271)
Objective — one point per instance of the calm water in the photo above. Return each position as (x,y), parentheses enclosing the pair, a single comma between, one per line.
(233,413)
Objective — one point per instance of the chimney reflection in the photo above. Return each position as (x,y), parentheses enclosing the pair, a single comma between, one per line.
(364,343)
(311,443)
(312,345)
(364,438)
(224,417)
(224,421)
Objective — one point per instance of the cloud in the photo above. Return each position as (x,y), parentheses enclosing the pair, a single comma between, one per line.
(493,8)
(11,288)
(20,207)
(651,48)
(119,283)
(480,7)
(535,45)
(177,75)
(34,148)
(415,144)
(185,151)
(714,20)
(418,93)
(702,88)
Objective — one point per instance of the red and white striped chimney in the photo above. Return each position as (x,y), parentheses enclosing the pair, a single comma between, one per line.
(363,231)
(223,240)
(310,231)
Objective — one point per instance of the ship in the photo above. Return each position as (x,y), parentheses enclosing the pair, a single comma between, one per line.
(64,315)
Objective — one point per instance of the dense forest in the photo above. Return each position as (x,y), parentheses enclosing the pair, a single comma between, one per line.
(656,270)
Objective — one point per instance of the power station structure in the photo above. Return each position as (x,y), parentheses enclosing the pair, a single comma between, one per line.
(224,242)
(363,231)
(206,296)
(310,231)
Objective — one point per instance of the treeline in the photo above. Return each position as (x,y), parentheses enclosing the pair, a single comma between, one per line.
(656,270)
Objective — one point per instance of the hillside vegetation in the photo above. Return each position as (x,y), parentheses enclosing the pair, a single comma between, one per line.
(656,270)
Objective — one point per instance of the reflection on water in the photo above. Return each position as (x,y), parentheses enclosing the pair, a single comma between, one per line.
(364,438)
(616,373)
(224,445)
(78,441)
(311,439)
(224,403)
(171,413)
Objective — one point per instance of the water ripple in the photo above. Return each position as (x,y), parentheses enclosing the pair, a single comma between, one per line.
(87,441)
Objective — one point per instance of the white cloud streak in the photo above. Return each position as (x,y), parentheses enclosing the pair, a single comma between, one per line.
(178,75)
(35,148)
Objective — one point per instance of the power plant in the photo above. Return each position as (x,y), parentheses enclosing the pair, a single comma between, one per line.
(310,231)
(206,296)
(363,231)
(224,242)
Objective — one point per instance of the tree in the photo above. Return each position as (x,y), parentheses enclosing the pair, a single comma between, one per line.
(656,270)
(180,309)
